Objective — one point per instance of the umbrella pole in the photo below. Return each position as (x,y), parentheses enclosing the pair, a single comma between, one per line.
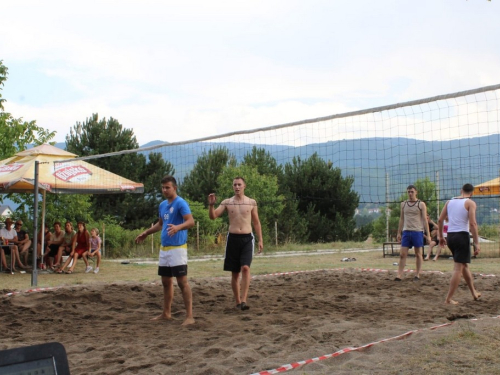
(34,274)
(103,239)
(42,243)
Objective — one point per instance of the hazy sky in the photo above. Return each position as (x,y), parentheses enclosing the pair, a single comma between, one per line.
(177,70)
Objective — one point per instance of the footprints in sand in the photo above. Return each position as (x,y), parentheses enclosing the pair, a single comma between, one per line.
(291,318)
(453,317)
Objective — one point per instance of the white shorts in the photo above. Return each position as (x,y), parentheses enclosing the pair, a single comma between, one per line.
(174,256)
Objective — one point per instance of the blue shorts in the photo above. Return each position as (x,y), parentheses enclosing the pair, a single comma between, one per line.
(412,238)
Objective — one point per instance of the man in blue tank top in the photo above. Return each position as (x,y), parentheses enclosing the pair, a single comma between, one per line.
(461,213)
(174,220)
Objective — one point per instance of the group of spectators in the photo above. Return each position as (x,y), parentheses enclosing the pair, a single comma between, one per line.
(55,245)
(16,242)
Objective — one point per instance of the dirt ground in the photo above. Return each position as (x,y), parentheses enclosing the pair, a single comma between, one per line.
(106,329)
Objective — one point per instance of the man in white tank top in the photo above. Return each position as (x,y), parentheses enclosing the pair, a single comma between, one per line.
(461,213)
(412,227)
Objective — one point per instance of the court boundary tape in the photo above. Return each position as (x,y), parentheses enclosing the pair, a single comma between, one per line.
(294,365)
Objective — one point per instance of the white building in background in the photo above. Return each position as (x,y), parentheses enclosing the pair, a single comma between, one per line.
(5,212)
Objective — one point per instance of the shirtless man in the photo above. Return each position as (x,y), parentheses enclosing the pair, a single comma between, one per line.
(461,213)
(412,227)
(242,213)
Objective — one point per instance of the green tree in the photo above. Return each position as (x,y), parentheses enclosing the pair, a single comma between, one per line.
(379,225)
(324,197)
(426,192)
(94,137)
(262,188)
(203,178)
(142,209)
(263,161)
(15,134)
(208,229)
(59,207)
(292,228)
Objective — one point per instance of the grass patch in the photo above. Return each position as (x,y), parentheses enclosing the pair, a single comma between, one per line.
(112,271)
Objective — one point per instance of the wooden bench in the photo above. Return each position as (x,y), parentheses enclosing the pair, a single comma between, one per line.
(386,246)
(388,249)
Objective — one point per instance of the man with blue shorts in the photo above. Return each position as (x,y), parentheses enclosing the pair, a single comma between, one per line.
(412,227)
(174,220)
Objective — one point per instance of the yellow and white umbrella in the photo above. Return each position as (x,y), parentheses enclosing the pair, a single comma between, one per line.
(17,174)
(491,187)
(58,174)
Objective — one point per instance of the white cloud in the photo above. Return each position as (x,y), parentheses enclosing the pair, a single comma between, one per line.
(181,70)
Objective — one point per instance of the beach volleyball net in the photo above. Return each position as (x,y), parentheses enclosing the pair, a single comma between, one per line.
(448,139)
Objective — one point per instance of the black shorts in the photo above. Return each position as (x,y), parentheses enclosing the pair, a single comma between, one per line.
(239,251)
(176,271)
(459,244)
(6,249)
(53,250)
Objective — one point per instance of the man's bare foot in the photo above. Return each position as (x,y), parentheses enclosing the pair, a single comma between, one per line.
(162,317)
(188,321)
(451,302)
(477,296)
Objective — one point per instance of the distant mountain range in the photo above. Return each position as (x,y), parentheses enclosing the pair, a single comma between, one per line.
(373,162)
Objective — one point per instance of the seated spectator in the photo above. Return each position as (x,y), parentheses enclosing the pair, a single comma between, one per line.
(23,241)
(9,235)
(65,248)
(53,244)
(95,249)
(445,234)
(79,245)
(40,251)
(433,229)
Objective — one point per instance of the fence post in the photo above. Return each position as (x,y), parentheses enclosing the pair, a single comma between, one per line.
(103,239)
(152,241)
(387,209)
(198,236)
(276,232)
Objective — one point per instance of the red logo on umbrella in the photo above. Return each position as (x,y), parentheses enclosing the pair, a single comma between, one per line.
(127,187)
(9,168)
(73,173)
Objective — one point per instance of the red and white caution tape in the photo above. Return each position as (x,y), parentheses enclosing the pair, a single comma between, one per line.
(295,365)
(34,290)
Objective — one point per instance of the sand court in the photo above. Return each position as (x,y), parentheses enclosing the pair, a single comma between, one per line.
(106,329)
